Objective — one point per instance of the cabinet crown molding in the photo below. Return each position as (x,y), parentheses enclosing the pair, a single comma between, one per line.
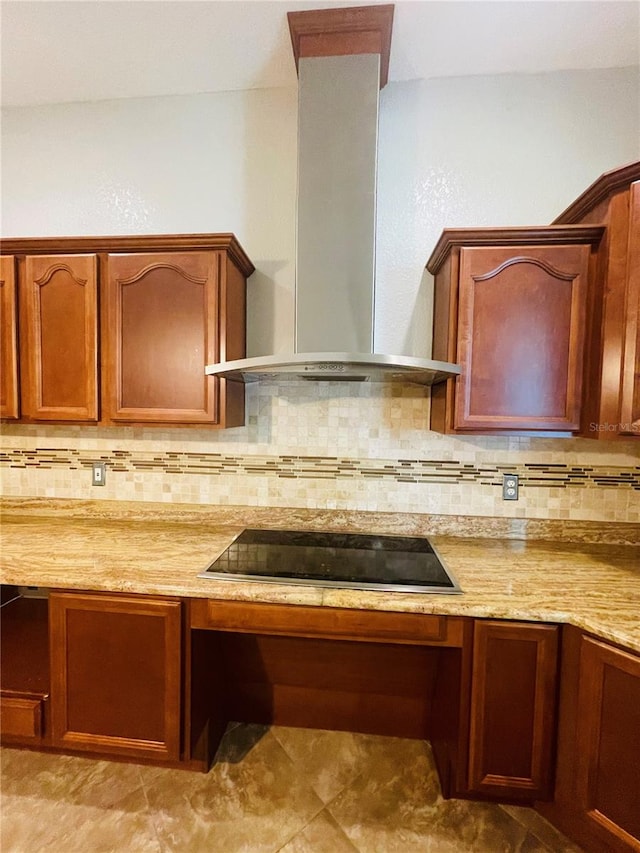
(605,185)
(136,243)
(542,235)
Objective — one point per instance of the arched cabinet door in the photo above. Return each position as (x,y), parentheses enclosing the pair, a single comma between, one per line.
(521,323)
(59,338)
(9,403)
(162,329)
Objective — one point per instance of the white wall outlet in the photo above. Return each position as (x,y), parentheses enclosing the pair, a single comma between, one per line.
(98,474)
(510,487)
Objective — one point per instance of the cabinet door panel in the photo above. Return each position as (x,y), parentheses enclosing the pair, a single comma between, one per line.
(59,347)
(630,388)
(521,337)
(9,405)
(163,330)
(115,663)
(608,737)
(512,709)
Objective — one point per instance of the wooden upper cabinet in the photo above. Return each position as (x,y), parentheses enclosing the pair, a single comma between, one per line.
(513,315)
(521,337)
(629,421)
(612,386)
(9,392)
(162,330)
(513,709)
(59,337)
(119,329)
(168,315)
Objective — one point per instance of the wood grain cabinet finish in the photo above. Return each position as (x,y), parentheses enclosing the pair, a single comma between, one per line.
(9,392)
(162,331)
(513,702)
(513,316)
(629,421)
(119,329)
(59,337)
(21,717)
(598,775)
(115,670)
(612,385)
(608,736)
(330,622)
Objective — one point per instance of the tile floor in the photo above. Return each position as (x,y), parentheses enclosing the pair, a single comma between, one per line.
(272,789)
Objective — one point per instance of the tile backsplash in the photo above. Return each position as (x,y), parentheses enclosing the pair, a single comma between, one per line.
(329,446)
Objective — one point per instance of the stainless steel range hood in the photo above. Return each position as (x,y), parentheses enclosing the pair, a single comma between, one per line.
(336,225)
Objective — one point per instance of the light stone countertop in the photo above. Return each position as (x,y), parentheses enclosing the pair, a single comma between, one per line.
(593,586)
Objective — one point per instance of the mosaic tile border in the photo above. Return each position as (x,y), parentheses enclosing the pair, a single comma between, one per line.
(532,474)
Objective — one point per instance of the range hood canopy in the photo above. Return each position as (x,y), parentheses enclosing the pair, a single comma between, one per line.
(342,56)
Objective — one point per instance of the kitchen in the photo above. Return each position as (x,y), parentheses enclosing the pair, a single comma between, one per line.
(328,451)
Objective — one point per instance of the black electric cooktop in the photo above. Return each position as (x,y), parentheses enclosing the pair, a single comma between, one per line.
(343,560)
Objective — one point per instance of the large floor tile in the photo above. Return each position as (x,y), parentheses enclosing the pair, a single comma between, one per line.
(542,829)
(395,804)
(278,789)
(253,800)
(32,825)
(69,779)
(329,760)
(482,828)
(321,835)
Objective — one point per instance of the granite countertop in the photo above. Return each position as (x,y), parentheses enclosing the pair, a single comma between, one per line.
(71,545)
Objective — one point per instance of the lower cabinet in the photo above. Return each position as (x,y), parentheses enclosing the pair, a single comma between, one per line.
(24,674)
(101,673)
(512,710)
(115,674)
(597,797)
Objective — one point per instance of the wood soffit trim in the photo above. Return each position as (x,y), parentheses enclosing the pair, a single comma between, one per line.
(543,235)
(338,32)
(132,243)
(604,186)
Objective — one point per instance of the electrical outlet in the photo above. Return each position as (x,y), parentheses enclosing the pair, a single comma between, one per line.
(99,473)
(510,487)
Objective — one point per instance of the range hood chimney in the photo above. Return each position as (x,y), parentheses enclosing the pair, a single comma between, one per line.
(342,56)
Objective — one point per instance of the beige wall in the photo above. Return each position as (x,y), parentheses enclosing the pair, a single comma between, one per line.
(502,150)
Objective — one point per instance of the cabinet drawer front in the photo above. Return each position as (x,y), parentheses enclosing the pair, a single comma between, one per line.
(295,621)
(20,717)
